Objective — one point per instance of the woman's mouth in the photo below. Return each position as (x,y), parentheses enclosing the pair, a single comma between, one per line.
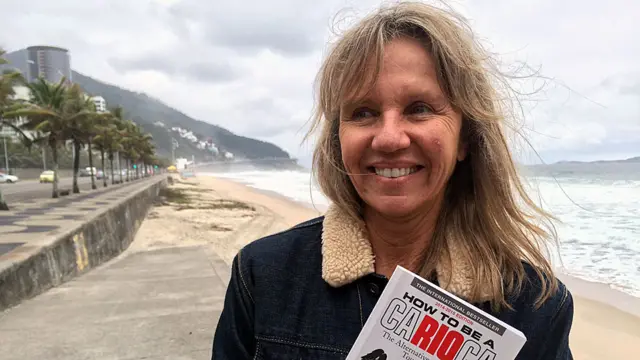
(395,172)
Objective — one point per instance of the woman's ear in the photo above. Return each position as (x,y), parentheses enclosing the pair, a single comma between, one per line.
(463,142)
(462,150)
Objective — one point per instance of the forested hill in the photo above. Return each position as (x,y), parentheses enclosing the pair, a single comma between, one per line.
(159,119)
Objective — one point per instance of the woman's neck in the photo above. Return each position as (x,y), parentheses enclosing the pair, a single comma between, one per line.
(401,241)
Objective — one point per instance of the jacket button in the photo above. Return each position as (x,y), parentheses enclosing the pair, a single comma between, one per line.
(374,289)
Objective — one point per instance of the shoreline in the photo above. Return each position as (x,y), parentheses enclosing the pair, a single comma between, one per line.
(601,293)
(579,287)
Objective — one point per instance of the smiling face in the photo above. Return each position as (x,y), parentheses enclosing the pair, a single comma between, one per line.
(401,141)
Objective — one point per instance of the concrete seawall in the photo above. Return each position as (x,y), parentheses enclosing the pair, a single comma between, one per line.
(79,249)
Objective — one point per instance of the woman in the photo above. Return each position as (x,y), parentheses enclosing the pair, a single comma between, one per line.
(413,157)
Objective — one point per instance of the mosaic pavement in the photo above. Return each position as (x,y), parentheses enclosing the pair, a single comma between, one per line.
(31,220)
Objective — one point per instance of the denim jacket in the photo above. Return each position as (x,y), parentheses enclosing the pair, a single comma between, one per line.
(306,293)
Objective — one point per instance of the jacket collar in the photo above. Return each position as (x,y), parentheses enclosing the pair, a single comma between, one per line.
(347,256)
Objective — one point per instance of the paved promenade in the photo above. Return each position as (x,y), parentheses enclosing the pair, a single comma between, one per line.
(158,304)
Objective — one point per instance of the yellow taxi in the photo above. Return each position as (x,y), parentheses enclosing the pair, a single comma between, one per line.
(46,176)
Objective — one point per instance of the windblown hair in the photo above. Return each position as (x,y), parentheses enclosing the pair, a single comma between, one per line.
(487,211)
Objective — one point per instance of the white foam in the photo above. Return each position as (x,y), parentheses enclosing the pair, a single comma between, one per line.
(296,185)
(599,234)
(599,231)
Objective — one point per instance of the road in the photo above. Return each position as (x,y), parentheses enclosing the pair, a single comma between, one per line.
(31,189)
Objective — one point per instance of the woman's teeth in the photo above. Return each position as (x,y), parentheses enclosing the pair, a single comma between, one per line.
(395,172)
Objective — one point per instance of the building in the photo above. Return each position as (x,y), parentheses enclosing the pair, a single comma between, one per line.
(17,60)
(48,62)
(21,93)
(100,103)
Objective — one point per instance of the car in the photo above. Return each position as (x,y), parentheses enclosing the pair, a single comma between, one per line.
(46,176)
(86,172)
(4,178)
(101,174)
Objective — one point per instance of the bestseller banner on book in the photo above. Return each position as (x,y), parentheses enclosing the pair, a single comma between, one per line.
(416,320)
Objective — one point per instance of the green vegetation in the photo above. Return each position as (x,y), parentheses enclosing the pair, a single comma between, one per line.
(59,115)
(222,204)
(175,196)
(8,80)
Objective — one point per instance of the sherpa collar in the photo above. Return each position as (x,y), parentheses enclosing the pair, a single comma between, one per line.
(347,256)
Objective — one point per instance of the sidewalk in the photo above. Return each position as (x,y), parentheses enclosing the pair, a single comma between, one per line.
(30,222)
(160,304)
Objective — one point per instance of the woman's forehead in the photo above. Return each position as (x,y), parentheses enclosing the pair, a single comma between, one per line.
(402,64)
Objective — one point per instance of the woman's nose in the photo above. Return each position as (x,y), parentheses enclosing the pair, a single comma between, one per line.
(390,134)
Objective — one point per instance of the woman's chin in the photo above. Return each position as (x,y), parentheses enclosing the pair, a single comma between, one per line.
(394,206)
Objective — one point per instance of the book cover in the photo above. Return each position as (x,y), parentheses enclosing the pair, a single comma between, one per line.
(416,320)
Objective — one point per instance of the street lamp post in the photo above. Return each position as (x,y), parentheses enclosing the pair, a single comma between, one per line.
(6,155)
(174,145)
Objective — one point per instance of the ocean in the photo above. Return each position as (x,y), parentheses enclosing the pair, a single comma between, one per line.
(599,214)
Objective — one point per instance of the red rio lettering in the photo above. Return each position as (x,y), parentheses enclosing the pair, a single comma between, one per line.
(436,339)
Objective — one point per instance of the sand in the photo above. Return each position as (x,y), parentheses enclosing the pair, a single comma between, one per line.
(219,213)
(224,216)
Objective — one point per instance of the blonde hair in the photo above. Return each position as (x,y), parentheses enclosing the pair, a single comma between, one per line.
(481,210)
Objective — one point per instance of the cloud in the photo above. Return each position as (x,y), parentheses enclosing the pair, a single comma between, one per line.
(249,66)
(286,27)
(193,70)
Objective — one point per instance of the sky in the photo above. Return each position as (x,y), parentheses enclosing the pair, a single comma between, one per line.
(250,65)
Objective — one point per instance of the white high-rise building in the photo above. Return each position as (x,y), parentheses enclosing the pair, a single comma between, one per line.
(100,103)
(21,93)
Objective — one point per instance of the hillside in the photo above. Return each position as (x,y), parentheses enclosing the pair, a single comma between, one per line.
(162,122)
(624,169)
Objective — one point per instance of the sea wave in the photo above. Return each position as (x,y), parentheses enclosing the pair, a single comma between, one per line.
(598,228)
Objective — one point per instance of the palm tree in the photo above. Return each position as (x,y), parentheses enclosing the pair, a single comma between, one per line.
(77,112)
(86,126)
(147,150)
(47,114)
(119,140)
(114,149)
(103,141)
(129,141)
(8,79)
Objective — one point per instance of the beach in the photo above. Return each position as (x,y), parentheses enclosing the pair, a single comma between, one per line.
(224,215)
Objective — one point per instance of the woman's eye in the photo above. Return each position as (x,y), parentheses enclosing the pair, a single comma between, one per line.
(362,113)
(420,108)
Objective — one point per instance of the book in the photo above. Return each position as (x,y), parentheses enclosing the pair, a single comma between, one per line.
(416,320)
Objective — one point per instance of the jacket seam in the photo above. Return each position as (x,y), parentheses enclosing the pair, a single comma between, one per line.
(360,304)
(244,284)
(307,223)
(565,295)
(301,344)
(255,356)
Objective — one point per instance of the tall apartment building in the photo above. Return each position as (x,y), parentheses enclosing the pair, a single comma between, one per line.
(100,103)
(21,93)
(48,62)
